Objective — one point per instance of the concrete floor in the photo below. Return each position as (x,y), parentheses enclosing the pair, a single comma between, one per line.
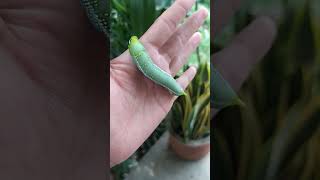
(161,163)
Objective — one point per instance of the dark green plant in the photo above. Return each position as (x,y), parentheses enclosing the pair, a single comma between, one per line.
(132,17)
(277,135)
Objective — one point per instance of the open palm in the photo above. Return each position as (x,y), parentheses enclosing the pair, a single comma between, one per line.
(53,92)
(137,104)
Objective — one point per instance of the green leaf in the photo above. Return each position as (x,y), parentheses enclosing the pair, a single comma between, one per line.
(222,95)
(119,6)
(260,162)
(186,117)
(204,125)
(202,102)
(222,160)
(251,138)
(142,14)
(302,122)
(311,160)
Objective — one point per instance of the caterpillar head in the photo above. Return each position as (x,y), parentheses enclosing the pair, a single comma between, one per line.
(135,47)
(133,40)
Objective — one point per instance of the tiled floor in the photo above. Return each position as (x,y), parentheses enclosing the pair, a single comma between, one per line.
(161,163)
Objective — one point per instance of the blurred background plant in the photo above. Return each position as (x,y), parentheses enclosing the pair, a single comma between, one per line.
(132,17)
(277,135)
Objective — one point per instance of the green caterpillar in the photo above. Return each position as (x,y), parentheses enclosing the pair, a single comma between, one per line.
(144,63)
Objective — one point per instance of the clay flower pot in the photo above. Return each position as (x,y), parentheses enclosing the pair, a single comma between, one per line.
(193,150)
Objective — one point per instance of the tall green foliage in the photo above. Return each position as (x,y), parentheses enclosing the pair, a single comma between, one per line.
(132,17)
(277,135)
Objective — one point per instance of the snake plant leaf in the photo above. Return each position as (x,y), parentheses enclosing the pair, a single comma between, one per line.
(98,13)
(222,158)
(222,95)
(119,6)
(202,102)
(301,127)
(257,169)
(201,127)
(187,109)
(142,14)
(251,137)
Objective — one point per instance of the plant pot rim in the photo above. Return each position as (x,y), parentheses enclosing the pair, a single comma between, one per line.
(198,142)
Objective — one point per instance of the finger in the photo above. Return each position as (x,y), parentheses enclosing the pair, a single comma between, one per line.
(187,77)
(189,48)
(167,23)
(236,61)
(222,12)
(183,34)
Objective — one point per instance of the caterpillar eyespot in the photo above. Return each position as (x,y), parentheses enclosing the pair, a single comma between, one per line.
(145,64)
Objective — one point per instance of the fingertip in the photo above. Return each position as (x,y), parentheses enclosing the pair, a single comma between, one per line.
(201,15)
(187,4)
(204,12)
(194,70)
(269,25)
(187,77)
(191,73)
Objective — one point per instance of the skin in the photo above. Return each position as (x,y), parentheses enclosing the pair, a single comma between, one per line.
(138,105)
(53,92)
(54,95)
(236,61)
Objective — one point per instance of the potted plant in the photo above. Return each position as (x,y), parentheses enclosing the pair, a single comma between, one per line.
(190,118)
(190,115)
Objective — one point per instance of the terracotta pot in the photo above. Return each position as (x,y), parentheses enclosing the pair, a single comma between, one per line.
(194,150)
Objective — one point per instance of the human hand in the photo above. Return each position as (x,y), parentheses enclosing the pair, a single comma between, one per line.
(138,105)
(53,92)
(237,60)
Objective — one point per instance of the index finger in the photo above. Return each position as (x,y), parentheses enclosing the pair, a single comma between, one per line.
(167,23)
